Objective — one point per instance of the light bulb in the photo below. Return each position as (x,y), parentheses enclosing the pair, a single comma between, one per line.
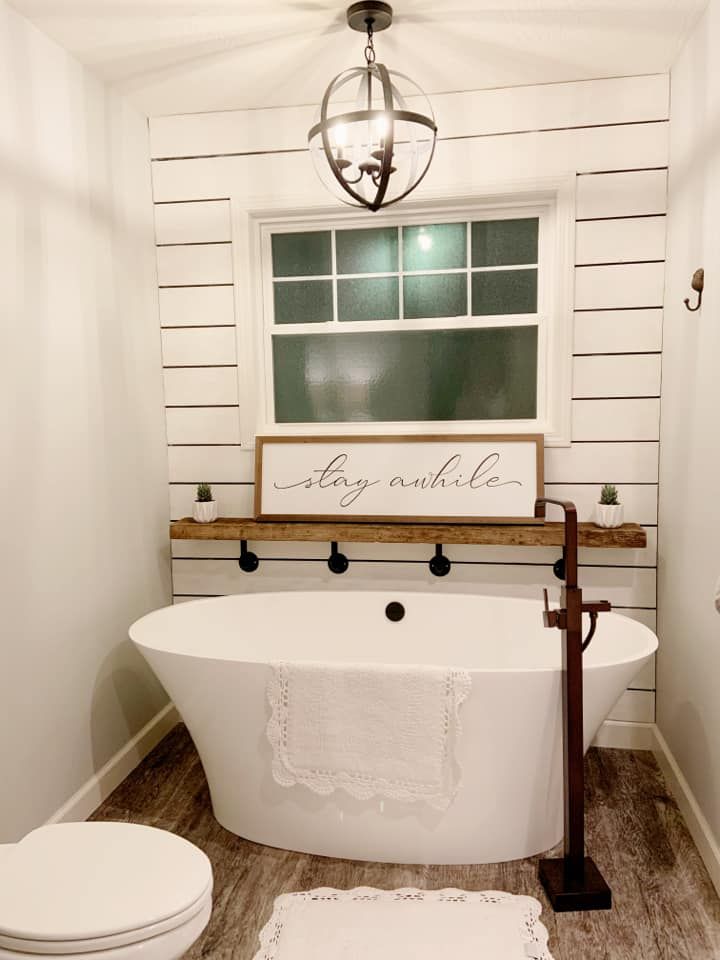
(339,132)
(381,125)
(424,240)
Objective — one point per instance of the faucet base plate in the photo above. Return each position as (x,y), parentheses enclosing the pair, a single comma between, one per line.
(571,889)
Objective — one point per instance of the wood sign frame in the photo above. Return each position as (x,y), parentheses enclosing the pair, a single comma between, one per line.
(296,481)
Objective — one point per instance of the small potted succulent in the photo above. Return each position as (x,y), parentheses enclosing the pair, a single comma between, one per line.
(609,512)
(204,507)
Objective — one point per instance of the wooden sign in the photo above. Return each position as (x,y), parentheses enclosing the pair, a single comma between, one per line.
(463,479)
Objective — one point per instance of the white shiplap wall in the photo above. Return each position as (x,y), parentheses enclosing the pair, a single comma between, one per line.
(613,135)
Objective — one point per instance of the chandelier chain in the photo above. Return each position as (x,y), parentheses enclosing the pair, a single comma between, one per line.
(370,47)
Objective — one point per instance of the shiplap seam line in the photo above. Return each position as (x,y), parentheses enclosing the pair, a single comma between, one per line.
(202,596)
(218,483)
(619,606)
(614,263)
(467,563)
(628,216)
(202,406)
(507,87)
(196,243)
(621,353)
(423,562)
(579,173)
(176,286)
(460,136)
(614,309)
(205,443)
(161,203)
(590,483)
(196,326)
(614,441)
(613,171)
(238,153)
(198,366)
(650,396)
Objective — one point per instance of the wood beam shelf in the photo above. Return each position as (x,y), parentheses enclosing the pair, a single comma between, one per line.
(630,536)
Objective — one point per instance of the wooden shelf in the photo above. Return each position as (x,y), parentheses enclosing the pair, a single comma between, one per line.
(629,536)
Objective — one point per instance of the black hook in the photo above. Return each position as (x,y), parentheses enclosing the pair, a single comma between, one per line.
(559,567)
(439,563)
(337,562)
(698,285)
(248,560)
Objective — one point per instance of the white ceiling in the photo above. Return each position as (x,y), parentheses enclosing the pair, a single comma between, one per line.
(183,56)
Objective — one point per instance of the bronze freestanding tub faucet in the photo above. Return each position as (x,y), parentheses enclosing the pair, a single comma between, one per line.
(572,882)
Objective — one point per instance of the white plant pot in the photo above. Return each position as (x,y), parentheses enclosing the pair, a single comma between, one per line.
(204,511)
(609,515)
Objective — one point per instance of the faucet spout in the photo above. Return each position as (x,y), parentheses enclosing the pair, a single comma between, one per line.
(570,549)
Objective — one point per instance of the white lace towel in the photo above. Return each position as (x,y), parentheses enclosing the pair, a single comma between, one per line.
(406,924)
(372,730)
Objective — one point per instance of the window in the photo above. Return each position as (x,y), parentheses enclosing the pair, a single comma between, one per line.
(434,322)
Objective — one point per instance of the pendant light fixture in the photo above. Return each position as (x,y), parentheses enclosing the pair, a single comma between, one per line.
(375,132)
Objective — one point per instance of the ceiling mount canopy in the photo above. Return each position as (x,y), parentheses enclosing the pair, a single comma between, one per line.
(375,132)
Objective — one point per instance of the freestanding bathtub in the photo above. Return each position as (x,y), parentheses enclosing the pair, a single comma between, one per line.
(213,658)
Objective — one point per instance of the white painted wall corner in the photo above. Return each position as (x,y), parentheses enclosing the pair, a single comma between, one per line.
(646,736)
(697,824)
(99,787)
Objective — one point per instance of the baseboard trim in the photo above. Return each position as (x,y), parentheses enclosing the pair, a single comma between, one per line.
(699,828)
(99,787)
(626,735)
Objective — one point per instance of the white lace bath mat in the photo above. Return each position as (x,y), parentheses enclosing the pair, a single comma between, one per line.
(370,924)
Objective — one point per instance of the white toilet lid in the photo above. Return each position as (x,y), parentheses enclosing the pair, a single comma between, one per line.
(83,881)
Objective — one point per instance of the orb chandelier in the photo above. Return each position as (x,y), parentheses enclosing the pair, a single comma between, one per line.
(374,135)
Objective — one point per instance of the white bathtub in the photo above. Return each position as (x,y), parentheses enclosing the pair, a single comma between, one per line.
(212,657)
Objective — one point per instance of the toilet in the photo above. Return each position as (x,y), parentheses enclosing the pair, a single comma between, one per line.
(102,891)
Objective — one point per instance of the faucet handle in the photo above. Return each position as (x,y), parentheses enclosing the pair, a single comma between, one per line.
(551,618)
(597,606)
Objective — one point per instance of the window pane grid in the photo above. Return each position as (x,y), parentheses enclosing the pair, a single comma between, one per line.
(340,297)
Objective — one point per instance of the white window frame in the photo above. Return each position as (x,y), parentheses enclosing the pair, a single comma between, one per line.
(551,201)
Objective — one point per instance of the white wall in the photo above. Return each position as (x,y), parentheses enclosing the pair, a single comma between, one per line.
(689,660)
(612,135)
(82,481)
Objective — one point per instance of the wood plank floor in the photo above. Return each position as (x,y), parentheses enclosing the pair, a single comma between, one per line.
(665,906)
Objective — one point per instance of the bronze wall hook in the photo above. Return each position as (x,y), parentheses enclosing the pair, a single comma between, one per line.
(698,284)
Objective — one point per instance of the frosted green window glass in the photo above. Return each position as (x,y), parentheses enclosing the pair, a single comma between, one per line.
(499,292)
(368,298)
(480,374)
(499,243)
(302,254)
(303,301)
(439,246)
(435,295)
(367,251)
